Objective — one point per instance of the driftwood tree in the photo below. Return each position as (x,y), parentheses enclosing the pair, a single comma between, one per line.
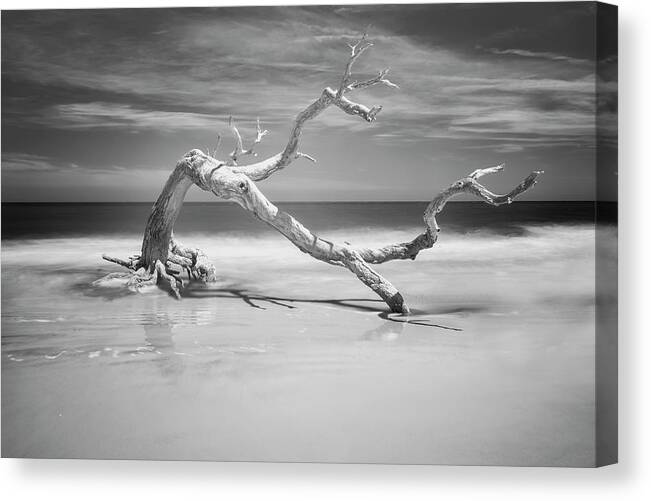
(163,258)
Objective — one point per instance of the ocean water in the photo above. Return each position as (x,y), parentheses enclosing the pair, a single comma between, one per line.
(40,220)
(286,358)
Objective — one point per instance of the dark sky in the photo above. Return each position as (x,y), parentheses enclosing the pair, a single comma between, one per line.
(99,105)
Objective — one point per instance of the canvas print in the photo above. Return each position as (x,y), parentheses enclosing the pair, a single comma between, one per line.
(349,233)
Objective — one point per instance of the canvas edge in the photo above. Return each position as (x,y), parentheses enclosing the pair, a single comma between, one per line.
(606,310)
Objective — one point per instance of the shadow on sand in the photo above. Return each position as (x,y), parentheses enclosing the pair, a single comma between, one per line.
(198,290)
(252,300)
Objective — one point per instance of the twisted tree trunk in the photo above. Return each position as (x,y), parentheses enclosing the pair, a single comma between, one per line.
(163,258)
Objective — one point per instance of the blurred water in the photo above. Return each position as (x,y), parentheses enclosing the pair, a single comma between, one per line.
(37,220)
(286,358)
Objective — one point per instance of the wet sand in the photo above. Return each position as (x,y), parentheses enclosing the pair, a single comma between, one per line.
(288,359)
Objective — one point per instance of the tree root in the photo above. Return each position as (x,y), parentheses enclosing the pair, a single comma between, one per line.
(180,258)
(193,260)
(160,272)
(140,277)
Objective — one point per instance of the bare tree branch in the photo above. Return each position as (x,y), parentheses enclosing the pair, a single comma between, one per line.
(265,168)
(218,143)
(305,155)
(239,147)
(259,134)
(356,50)
(470,185)
(357,259)
(161,255)
(476,174)
(380,78)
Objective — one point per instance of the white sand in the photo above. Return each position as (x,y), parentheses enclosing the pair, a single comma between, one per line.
(317,375)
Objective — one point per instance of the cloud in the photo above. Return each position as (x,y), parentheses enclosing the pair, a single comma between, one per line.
(86,116)
(27,162)
(174,76)
(200,69)
(540,55)
(18,162)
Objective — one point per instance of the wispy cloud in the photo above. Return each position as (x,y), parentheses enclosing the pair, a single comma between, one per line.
(123,116)
(18,162)
(538,55)
(27,162)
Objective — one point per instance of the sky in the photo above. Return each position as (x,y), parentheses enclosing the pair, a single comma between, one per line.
(98,105)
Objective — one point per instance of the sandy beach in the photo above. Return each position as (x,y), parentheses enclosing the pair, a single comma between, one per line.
(288,359)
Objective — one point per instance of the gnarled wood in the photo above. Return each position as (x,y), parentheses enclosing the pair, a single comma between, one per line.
(162,257)
(246,193)
(158,231)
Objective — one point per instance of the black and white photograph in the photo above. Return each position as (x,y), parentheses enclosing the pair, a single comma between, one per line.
(327,234)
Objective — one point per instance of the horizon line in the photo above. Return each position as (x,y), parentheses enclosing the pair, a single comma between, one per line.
(300,202)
